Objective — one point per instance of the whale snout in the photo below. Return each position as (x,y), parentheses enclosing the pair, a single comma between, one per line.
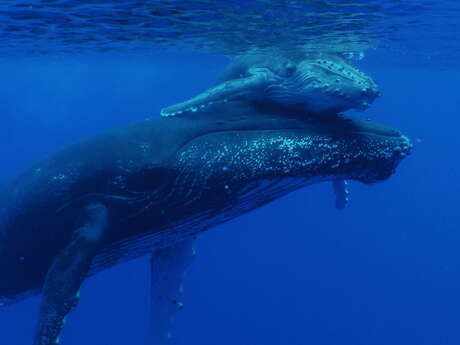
(275,145)
(366,97)
(332,86)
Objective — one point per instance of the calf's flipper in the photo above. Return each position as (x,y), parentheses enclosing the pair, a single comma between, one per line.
(66,274)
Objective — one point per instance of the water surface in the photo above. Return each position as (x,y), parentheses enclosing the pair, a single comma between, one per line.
(424,29)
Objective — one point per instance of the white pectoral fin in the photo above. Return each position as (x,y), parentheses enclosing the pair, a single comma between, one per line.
(341,193)
(167,271)
(224,92)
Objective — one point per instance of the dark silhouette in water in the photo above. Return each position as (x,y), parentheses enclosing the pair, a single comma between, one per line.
(151,186)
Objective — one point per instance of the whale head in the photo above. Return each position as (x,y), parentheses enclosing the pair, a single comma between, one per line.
(327,84)
(316,85)
(287,151)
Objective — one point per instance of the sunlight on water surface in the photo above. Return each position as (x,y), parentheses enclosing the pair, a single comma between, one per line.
(419,27)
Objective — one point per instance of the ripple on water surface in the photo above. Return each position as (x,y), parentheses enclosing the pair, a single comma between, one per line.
(229,27)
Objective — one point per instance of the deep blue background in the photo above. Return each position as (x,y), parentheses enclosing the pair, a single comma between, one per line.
(384,271)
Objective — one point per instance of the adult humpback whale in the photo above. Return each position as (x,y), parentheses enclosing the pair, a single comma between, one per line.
(151,186)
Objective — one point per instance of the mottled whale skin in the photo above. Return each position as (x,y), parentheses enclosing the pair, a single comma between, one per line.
(154,183)
(318,84)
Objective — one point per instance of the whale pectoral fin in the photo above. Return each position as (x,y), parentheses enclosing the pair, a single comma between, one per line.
(341,193)
(226,91)
(66,274)
(167,271)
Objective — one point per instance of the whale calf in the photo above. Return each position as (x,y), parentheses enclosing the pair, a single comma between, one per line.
(151,186)
(318,84)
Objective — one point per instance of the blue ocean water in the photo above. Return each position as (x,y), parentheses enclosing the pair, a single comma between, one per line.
(297,271)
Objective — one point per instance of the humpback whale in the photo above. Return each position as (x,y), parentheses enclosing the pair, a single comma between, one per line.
(151,186)
(320,84)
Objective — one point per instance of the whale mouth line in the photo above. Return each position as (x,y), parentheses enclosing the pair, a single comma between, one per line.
(291,119)
(337,133)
